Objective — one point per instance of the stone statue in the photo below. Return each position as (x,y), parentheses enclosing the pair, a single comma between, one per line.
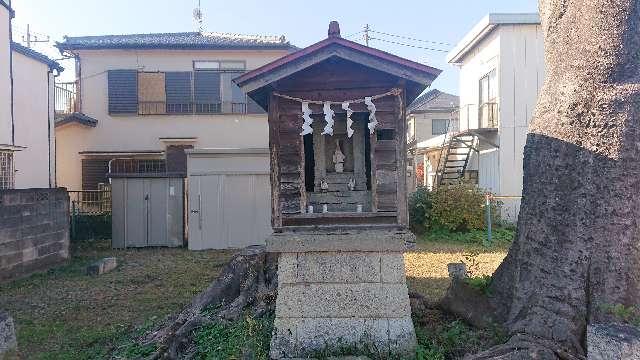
(338,158)
(324,186)
(352,184)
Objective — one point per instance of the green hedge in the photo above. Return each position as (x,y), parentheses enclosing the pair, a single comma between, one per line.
(459,208)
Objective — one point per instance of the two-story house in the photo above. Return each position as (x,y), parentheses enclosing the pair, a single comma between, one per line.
(145,98)
(27,139)
(501,62)
(431,115)
(7,137)
(33,111)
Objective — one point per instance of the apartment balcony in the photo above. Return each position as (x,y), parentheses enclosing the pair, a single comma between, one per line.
(488,116)
(483,117)
(65,98)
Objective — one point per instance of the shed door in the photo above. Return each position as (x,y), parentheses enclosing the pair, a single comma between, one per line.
(228,210)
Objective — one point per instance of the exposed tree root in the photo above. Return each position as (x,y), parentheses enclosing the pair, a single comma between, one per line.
(523,347)
(248,283)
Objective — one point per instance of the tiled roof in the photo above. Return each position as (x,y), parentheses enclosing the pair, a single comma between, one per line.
(36,56)
(434,100)
(79,118)
(184,40)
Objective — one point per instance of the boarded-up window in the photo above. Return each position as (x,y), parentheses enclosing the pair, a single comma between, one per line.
(206,85)
(123,91)
(151,93)
(94,172)
(178,92)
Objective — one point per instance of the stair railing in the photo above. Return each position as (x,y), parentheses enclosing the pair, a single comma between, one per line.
(447,136)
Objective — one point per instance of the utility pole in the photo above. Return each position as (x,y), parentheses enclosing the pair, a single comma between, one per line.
(30,38)
(366,34)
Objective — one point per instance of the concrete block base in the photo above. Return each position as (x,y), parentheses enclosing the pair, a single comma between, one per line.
(332,302)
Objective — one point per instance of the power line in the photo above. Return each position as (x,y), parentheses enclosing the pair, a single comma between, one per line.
(409,45)
(410,38)
(354,34)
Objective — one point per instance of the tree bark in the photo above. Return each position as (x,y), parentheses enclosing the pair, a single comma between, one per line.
(577,246)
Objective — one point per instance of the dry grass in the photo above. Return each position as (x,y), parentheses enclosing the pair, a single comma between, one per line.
(65,314)
(426,267)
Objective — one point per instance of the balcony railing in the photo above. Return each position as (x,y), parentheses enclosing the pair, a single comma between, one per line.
(65,98)
(137,166)
(162,108)
(484,116)
(488,116)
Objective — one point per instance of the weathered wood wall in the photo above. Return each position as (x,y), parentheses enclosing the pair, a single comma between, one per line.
(337,81)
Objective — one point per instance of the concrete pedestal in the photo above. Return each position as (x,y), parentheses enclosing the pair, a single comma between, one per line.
(340,291)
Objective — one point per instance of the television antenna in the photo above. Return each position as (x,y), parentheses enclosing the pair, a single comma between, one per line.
(197,17)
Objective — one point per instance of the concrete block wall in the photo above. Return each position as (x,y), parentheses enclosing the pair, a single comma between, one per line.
(34,230)
(331,299)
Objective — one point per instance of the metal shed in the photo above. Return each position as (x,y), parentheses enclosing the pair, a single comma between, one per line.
(229,198)
(147,210)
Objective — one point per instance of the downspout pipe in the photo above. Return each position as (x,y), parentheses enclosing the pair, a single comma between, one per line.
(13,125)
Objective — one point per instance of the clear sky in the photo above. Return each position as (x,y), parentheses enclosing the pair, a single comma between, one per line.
(302,22)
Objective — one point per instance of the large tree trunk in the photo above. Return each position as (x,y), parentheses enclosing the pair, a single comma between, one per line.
(578,241)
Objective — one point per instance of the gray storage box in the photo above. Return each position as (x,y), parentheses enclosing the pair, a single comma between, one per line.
(147,210)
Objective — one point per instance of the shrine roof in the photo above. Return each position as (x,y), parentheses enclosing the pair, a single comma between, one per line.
(419,75)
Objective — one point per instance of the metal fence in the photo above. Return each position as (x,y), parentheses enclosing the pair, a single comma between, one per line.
(90,202)
(90,214)
(490,203)
(65,97)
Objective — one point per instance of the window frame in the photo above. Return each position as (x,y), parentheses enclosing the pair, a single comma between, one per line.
(7,170)
(446,126)
(485,106)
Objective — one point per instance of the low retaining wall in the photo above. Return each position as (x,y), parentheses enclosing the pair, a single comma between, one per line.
(34,230)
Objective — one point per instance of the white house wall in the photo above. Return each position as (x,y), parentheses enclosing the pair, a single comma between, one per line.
(33,114)
(521,76)
(479,61)
(142,133)
(5,78)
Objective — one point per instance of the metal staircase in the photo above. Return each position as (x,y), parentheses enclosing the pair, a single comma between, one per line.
(454,157)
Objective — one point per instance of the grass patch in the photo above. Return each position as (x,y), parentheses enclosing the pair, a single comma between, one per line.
(452,339)
(247,338)
(65,314)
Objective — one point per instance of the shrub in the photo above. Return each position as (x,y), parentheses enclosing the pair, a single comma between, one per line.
(420,210)
(458,207)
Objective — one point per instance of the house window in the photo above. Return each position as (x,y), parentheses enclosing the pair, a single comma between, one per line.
(208,89)
(7,178)
(439,126)
(488,94)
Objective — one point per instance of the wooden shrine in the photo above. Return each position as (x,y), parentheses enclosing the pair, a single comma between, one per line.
(337,70)
(337,138)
